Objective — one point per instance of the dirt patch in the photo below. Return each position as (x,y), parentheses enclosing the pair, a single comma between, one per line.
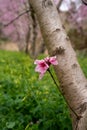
(9,46)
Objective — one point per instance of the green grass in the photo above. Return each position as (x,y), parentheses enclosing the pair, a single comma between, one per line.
(83,64)
(27,103)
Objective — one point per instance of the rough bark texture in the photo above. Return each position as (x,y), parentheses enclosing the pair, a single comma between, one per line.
(72,80)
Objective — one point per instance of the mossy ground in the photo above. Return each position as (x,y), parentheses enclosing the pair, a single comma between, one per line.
(27,103)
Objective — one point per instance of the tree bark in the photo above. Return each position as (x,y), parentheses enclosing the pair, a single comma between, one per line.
(73,83)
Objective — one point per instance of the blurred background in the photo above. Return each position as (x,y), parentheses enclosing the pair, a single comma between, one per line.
(25,102)
(19,29)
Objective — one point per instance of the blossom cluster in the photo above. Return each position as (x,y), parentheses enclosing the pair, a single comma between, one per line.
(44,64)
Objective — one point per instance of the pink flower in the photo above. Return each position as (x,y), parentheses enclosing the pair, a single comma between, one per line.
(51,60)
(43,65)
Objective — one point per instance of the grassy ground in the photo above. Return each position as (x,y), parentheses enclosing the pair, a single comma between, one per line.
(27,103)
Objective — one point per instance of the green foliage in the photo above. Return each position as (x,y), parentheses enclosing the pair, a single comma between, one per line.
(27,103)
(83,64)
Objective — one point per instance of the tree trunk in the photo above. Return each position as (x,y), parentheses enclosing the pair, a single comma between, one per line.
(72,80)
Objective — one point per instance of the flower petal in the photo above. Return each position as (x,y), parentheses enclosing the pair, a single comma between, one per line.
(38,61)
(41,75)
(41,67)
(53,60)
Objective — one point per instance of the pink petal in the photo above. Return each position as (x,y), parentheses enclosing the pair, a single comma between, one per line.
(41,67)
(41,75)
(38,61)
(47,59)
(53,60)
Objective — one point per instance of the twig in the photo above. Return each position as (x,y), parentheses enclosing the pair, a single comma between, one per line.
(84,1)
(78,116)
(5,25)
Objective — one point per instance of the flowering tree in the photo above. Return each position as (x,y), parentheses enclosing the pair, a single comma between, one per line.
(14,30)
(72,81)
(18,23)
(77,17)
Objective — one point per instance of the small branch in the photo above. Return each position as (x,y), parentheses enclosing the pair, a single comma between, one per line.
(78,116)
(84,1)
(5,25)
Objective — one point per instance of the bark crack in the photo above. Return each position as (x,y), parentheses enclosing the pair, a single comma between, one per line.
(77,121)
(74,66)
(57,30)
(67,38)
(82,107)
(47,3)
(58,51)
